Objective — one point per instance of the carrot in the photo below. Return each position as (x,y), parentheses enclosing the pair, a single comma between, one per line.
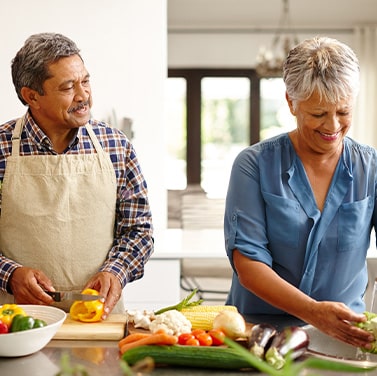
(152,339)
(132,337)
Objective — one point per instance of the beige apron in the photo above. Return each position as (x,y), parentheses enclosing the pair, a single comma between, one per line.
(58,214)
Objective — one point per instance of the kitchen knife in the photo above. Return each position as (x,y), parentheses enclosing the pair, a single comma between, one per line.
(59,296)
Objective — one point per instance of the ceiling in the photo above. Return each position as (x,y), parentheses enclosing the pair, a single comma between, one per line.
(202,15)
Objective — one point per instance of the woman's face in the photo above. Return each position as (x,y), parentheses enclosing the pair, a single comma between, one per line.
(322,126)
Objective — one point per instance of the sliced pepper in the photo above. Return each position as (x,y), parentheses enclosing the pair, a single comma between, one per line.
(8,312)
(87,311)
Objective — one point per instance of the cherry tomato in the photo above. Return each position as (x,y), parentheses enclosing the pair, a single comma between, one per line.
(196,332)
(217,336)
(184,337)
(192,342)
(204,339)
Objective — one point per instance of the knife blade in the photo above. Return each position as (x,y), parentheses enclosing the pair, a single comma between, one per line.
(59,296)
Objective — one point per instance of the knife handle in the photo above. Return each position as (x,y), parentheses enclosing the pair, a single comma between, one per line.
(54,295)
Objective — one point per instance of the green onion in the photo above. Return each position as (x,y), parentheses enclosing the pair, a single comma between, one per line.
(184,303)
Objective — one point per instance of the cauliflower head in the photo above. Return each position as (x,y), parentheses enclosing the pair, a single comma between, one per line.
(172,322)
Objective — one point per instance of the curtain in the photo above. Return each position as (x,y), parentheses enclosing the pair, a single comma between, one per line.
(364,128)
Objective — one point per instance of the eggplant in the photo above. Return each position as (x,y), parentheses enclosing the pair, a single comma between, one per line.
(292,342)
(260,338)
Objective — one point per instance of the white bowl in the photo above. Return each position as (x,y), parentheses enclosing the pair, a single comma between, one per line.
(27,342)
(323,346)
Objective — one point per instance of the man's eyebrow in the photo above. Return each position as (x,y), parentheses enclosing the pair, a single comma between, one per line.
(68,82)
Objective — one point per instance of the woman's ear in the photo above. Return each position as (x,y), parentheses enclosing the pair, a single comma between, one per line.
(30,96)
(290,104)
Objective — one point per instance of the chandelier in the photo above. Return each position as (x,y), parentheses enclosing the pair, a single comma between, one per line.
(270,61)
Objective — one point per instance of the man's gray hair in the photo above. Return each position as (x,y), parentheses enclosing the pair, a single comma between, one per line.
(31,63)
(321,65)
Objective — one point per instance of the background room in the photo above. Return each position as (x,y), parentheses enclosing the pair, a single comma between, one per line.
(142,54)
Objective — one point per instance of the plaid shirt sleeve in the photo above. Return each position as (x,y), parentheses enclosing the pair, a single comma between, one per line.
(133,235)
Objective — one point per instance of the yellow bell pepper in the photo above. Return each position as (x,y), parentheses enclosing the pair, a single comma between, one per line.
(87,311)
(8,311)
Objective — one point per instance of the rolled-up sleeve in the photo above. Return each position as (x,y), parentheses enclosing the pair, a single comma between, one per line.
(245,221)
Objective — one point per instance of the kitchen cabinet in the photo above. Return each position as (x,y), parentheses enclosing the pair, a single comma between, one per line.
(160,285)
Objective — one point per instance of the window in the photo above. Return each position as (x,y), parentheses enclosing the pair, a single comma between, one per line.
(225,129)
(212,114)
(275,115)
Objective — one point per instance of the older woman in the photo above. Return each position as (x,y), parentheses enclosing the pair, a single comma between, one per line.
(300,206)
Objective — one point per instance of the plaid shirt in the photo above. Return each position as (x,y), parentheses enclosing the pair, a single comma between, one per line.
(133,233)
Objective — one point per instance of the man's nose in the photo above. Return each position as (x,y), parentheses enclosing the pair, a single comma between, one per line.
(81,94)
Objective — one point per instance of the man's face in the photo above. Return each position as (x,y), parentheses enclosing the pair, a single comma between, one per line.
(67,97)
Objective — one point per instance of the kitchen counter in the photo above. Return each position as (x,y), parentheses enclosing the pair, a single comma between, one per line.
(102,357)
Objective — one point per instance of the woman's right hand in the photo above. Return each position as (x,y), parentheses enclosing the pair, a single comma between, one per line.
(337,320)
(332,318)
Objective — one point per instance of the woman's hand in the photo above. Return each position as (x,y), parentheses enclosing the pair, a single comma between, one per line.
(336,320)
(332,318)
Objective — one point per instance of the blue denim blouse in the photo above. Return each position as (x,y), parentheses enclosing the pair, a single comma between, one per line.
(271,216)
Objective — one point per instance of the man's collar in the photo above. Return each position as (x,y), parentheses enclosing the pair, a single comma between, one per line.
(36,134)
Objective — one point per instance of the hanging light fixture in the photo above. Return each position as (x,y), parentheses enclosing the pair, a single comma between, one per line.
(270,61)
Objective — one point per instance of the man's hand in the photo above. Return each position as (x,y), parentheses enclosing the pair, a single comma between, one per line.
(108,285)
(27,286)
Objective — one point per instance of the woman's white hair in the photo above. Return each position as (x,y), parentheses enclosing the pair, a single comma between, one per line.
(322,65)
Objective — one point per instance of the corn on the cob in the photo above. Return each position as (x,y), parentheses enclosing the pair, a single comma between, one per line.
(201,316)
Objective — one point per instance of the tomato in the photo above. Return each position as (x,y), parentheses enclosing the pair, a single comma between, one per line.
(184,337)
(204,339)
(192,342)
(217,336)
(196,332)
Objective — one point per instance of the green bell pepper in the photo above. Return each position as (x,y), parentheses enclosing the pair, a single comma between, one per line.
(38,323)
(21,322)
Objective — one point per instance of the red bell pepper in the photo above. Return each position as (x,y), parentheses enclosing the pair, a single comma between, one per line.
(3,328)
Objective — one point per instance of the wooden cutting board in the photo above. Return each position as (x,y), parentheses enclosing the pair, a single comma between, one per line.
(110,329)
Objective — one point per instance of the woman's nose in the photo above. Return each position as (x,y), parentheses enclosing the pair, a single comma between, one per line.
(332,123)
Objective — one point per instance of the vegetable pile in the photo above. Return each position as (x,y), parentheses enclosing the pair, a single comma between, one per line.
(371,326)
(214,341)
(14,319)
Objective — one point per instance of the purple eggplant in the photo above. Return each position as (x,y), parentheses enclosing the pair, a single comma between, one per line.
(292,342)
(260,338)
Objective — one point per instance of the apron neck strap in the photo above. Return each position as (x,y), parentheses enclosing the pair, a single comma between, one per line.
(16,136)
(94,138)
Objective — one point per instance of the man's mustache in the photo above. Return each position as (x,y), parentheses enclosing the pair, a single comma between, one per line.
(79,107)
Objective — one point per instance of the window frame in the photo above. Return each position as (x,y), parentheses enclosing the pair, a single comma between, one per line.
(193,77)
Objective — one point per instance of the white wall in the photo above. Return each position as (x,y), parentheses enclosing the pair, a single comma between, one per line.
(229,49)
(123,43)
(224,50)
